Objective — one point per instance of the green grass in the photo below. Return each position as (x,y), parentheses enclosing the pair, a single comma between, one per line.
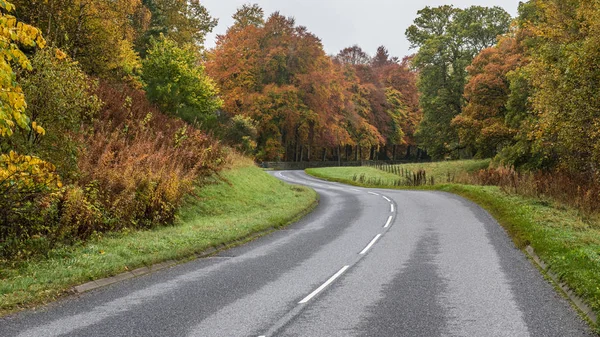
(440,171)
(567,242)
(250,201)
(346,174)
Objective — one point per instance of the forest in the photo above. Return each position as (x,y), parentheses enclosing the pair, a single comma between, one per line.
(112,111)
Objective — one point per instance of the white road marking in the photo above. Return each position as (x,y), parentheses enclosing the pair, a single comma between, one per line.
(389,221)
(373,193)
(386,198)
(319,289)
(355,190)
(392,208)
(370,244)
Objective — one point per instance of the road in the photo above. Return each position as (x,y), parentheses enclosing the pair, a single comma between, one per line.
(365,263)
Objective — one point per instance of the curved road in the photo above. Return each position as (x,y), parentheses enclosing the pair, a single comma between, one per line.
(364,263)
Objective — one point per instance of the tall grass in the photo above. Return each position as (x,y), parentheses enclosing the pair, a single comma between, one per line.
(135,165)
(575,191)
(579,192)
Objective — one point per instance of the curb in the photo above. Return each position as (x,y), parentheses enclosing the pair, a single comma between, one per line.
(135,273)
(99,283)
(575,299)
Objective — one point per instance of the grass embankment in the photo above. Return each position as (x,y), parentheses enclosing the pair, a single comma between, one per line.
(568,242)
(249,201)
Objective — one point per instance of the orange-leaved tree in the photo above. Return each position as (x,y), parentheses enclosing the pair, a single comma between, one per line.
(482,123)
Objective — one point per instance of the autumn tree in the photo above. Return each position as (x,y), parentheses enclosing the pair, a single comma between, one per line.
(353,55)
(482,123)
(380,88)
(99,34)
(564,77)
(448,39)
(382,58)
(277,74)
(249,15)
(61,97)
(22,177)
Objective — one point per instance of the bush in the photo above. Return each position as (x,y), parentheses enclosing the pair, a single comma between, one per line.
(142,161)
(27,187)
(59,97)
(241,133)
(576,191)
(135,167)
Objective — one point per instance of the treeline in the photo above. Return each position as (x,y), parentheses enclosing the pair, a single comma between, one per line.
(100,107)
(297,103)
(113,111)
(530,100)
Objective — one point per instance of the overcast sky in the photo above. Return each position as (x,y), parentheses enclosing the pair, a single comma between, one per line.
(342,23)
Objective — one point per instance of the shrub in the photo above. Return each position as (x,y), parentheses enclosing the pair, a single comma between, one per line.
(568,189)
(27,185)
(241,133)
(59,96)
(135,167)
(142,161)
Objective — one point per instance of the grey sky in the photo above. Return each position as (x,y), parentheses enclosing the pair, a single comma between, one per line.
(342,23)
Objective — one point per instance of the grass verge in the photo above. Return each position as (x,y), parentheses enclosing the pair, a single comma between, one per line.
(559,235)
(246,202)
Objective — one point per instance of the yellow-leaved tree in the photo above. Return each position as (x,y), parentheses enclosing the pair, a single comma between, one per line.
(22,177)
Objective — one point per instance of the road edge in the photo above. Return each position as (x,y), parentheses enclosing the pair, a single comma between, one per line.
(575,300)
(584,310)
(103,282)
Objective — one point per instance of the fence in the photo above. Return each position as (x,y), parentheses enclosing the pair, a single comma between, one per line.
(302,165)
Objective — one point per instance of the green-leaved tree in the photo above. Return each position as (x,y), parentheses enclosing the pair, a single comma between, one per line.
(175,80)
(448,39)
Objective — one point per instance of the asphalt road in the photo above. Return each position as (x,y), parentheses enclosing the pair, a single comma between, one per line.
(364,263)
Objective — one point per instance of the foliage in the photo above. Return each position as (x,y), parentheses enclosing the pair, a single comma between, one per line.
(531,99)
(183,21)
(99,34)
(24,180)
(353,55)
(448,39)
(13,35)
(279,75)
(564,78)
(135,167)
(141,163)
(482,123)
(248,15)
(25,183)
(174,80)
(60,97)
(242,133)
(304,101)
